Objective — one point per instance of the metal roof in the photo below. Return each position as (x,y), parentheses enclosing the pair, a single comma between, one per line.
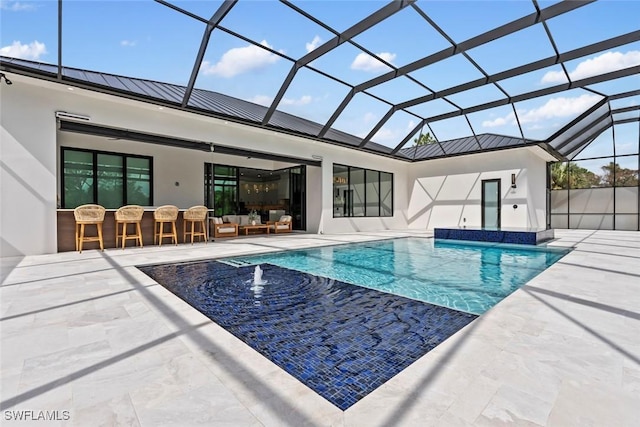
(468,145)
(459,101)
(204,101)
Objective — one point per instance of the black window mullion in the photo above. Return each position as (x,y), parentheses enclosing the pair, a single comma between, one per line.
(392,193)
(125,180)
(63,197)
(349,193)
(237,208)
(206,185)
(366,172)
(95,177)
(63,201)
(151,182)
(379,194)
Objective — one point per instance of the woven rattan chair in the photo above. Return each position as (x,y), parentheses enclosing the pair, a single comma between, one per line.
(167,214)
(130,214)
(195,223)
(88,215)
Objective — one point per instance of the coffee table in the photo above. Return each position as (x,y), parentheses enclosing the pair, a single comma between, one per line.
(259,227)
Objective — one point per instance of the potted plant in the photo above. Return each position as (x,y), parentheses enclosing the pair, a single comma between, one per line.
(253,217)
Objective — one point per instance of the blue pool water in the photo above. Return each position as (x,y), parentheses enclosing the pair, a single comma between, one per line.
(465,276)
(343,340)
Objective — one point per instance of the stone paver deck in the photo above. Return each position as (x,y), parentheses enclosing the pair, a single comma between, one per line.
(90,334)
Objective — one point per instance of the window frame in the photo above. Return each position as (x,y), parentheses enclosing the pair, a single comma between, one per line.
(348,203)
(94,160)
(210,185)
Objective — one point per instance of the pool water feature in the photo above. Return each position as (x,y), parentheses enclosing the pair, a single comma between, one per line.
(465,276)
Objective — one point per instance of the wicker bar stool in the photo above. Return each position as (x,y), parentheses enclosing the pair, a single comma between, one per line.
(195,215)
(130,214)
(88,215)
(167,214)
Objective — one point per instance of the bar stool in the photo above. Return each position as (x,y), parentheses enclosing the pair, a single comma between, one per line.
(195,215)
(88,215)
(130,214)
(167,214)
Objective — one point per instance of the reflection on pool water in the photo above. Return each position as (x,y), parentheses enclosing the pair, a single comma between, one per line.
(471,277)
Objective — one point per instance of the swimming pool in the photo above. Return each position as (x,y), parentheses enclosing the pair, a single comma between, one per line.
(470,277)
(342,340)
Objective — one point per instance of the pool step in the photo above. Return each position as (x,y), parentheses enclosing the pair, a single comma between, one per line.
(236,262)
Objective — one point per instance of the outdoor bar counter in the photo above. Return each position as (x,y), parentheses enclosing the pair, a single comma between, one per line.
(66,231)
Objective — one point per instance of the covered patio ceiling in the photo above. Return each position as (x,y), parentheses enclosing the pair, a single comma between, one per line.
(374,76)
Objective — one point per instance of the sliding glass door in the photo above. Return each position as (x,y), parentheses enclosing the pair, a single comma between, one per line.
(231,190)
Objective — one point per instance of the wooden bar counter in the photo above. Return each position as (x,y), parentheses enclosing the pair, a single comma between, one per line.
(66,231)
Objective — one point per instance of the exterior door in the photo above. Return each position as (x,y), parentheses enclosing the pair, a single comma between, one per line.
(491,203)
(298,197)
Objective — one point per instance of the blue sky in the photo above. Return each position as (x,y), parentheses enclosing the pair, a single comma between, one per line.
(148,40)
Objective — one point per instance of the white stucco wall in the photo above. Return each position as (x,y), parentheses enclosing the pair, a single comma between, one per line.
(447,192)
(443,192)
(30,159)
(27,170)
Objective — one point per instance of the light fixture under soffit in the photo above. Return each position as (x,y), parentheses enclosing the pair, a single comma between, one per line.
(6,80)
(72,116)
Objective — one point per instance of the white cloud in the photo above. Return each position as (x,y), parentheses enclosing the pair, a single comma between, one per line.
(361,126)
(261,100)
(554,77)
(16,6)
(366,62)
(552,109)
(607,62)
(240,60)
(128,43)
(559,107)
(32,50)
(393,136)
(385,135)
(369,117)
(303,100)
(538,126)
(267,100)
(500,121)
(313,44)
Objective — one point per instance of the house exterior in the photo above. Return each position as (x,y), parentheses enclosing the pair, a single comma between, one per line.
(441,192)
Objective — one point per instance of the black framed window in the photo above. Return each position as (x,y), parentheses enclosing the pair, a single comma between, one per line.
(221,192)
(108,179)
(359,192)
